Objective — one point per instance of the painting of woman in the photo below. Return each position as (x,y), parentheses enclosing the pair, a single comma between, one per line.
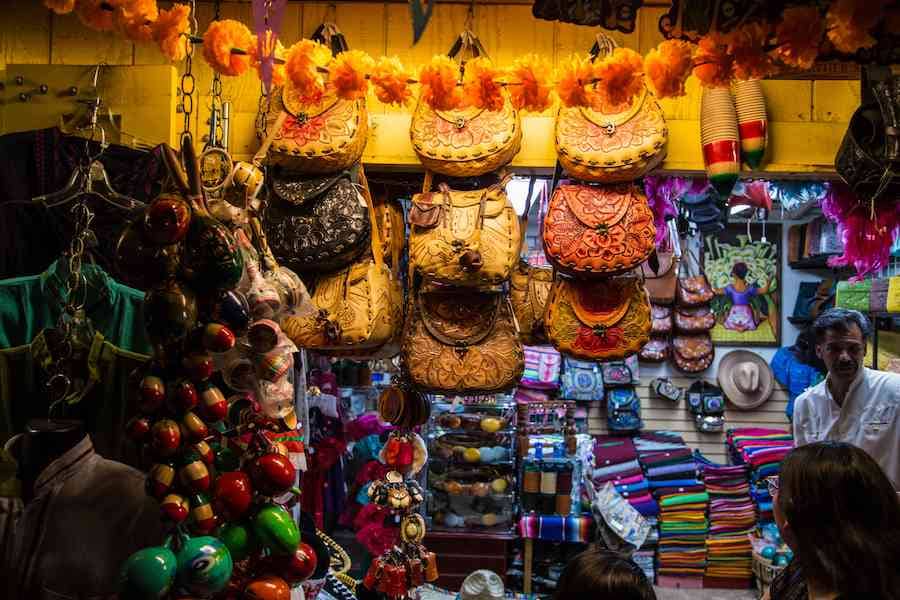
(740,317)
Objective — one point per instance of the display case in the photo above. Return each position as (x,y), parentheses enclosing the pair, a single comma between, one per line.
(471,481)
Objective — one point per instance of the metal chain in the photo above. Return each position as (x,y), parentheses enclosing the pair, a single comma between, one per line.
(216,109)
(188,82)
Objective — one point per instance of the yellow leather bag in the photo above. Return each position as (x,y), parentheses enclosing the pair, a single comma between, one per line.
(611,144)
(605,319)
(529,288)
(467,238)
(461,341)
(359,309)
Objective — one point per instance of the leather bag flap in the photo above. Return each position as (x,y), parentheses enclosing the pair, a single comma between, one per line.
(602,303)
(297,189)
(425,212)
(692,347)
(459,319)
(597,208)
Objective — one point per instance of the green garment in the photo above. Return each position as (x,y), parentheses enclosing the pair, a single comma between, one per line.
(684,499)
(31,304)
(103,398)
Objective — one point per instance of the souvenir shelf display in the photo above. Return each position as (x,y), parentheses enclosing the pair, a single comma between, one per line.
(472,472)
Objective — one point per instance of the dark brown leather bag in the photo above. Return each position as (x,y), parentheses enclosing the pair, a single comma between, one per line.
(662,319)
(655,351)
(698,319)
(694,291)
(692,353)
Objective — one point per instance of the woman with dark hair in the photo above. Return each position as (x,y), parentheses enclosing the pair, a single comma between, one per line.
(739,292)
(599,573)
(839,513)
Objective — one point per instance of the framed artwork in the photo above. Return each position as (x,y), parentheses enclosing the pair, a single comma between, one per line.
(744,270)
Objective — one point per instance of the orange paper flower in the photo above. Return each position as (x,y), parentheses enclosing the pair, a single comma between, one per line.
(391,81)
(220,39)
(438,79)
(169,30)
(621,76)
(530,83)
(798,36)
(60,7)
(278,76)
(849,23)
(96,14)
(481,87)
(347,74)
(575,86)
(668,67)
(135,18)
(304,61)
(713,66)
(747,47)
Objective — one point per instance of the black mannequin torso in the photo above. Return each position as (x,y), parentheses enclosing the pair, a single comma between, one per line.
(44,441)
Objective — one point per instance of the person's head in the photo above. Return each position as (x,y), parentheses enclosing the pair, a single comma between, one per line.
(840,336)
(599,573)
(839,513)
(740,270)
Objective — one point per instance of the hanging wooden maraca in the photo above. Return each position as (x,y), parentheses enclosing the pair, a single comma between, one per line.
(753,125)
(720,139)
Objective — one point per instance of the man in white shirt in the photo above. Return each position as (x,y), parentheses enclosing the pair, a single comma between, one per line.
(853,404)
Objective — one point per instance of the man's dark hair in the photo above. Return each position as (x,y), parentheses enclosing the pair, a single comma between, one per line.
(840,320)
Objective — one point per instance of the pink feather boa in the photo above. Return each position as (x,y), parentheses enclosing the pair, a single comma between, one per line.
(661,195)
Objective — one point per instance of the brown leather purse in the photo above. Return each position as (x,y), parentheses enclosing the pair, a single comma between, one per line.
(461,341)
(595,230)
(693,353)
(662,281)
(698,319)
(694,291)
(606,319)
(662,319)
(529,288)
(655,351)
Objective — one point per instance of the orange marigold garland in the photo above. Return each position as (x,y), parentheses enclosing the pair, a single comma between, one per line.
(135,19)
(713,66)
(304,61)
(391,81)
(481,86)
(530,84)
(220,39)
(95,14)
(278,76)
(668,66)
(438,79)
(169,30)
(797,37)
(747,47)
(575,84)
(620,76)
(848,23)
(347,74)
(60,7)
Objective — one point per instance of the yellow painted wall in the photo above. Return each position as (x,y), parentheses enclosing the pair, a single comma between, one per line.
(808,118)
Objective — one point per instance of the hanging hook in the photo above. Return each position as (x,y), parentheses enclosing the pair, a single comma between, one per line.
(331,13)
(470,16)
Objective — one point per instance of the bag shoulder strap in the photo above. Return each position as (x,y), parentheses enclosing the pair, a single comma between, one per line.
(377,247)
(260,155)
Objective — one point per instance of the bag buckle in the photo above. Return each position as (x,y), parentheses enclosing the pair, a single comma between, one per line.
(599,330)
(602,229)
(460,123)
(609,129)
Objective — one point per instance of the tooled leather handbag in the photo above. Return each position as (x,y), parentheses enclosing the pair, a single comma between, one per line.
(662,319)
(325,136)
(694,291)
(662,280)
(529,288)
(316,224)
(655,351)
(356,307)
(692,353)
(606,319)
(598,230)
(698,319)
(461,341)
(465,142)
(463,237)
(611,143)
(869,156)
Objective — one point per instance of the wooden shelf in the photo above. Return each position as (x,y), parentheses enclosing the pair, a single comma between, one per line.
(819,261)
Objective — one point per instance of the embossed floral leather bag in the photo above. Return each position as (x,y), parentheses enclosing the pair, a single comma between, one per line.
(461,341)
(692,353)
(606,319)
(662,319)
(611,143)
(598,230)
(655,351)
(465,142)
(467,238)
(529,288)
(326,136)
(698,319)
(694,291)
(359,308)
(662,281)
(319,223)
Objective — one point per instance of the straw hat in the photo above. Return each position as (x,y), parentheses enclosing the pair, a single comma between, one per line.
(745,378)
(482,585)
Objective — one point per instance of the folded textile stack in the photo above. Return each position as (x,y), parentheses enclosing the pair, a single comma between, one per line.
(555,528)
(645,557)
(762,451)
(732,517)
(616,460)
(683,529)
